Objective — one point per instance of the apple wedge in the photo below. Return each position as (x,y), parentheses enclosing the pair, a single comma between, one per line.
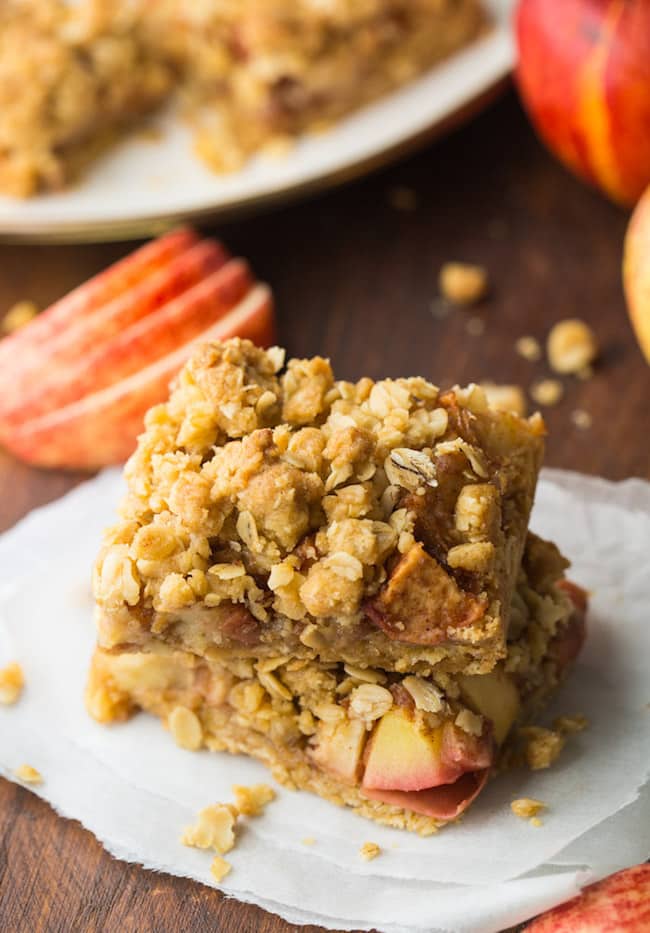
(102,288)
(83,334)
(494,696)
(155,335)
(339,748)
(402,755)
(445,802)
(102,427)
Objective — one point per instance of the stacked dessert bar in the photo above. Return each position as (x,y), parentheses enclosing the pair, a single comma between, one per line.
(336,578)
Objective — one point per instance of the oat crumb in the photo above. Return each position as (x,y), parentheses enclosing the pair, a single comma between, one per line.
(527,807)
(12,681)
(543,746)
(28,775)
(250,801)
(535,821)
(570,725)
(220,868)
(581,419)
(462,283)
(547,392)
(185,727)
(18,315)
(214,829)
(505,397)
(402,199)
(369,851)
(529,348)
(309,841)
(571,346)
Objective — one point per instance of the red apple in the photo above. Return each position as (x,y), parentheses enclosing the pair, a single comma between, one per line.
(618,904)
(636,272)
(584,76)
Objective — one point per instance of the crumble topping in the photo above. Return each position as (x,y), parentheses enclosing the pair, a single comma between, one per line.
(12,681)
(261,492)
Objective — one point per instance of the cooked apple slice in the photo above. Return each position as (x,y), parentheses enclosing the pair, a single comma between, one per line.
(445,802)
(82,336)
(338,750)
(420,601)
(150,338)
(494,696)
(102,427)
(403,756)
(93,294)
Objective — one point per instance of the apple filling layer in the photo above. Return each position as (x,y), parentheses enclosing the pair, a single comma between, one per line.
(410,751)
(272,509)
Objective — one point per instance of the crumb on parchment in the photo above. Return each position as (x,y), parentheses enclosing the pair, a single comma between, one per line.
(369,851)
(28,775)
(309,841)
(527,807)
(251,800)
(220,868)
(214,829)
(12,681)
(542,746)
(569,725)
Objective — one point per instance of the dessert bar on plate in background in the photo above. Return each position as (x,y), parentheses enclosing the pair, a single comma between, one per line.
(276,511)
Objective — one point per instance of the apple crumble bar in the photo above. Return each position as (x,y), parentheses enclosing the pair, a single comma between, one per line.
(411,751)
(272,510)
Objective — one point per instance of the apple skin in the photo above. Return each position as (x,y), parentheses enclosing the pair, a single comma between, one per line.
(155,335)
(618,904)
(584,76)
(102,427)
(636,272)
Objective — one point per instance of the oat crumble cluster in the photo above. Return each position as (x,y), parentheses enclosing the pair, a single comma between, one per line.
(337,579)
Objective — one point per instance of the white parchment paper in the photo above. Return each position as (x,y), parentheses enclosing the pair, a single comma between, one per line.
(135,790)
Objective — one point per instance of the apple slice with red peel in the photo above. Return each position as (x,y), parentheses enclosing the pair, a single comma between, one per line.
(102,427)
(339,748)
(150,338)
(82,335)
(402,755)
(102,288)
(445,802)
(617,904)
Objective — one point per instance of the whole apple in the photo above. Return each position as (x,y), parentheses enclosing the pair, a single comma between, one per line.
(636,272)
(583,72)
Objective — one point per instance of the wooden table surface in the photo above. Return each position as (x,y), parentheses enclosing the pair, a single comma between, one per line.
(355,280)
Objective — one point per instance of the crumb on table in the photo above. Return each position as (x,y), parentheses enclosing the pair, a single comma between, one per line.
(214,829)
(250,801)
(219,868)
(571,346)
(12,681)
(581,419)
(28,775)
(369,851)
(18,315)
(547,392)
(462,283)
(529,348)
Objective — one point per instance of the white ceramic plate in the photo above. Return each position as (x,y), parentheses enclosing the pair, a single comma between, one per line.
(142,185)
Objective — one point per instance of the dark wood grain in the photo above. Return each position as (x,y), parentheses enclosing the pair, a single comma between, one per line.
(355,280)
